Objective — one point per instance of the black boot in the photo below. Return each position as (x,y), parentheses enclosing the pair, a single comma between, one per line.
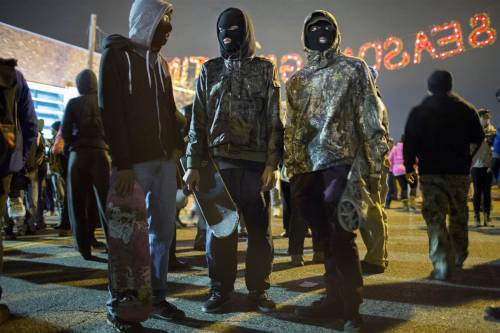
(324,308)
(216,301)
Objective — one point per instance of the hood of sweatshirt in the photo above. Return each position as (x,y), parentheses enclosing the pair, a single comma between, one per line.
(8,77)
(145,15)
(86,82)
(313,56)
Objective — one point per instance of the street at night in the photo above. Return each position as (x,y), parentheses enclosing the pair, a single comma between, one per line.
(49,288)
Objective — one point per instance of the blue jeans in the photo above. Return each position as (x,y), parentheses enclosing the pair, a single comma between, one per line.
(158,180)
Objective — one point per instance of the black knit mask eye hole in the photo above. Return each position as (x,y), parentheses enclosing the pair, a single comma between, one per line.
(231,37)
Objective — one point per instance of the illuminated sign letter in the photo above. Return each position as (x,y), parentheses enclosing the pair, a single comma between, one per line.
(455,38)
(484,28)
(378,52)
(398,49)
(423,43)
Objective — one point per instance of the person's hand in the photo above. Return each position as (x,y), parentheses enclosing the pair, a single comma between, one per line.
(411,177)
(268,179)
(124,184)
(192,179)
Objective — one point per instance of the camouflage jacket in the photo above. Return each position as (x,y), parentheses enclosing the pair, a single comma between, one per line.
(333,114)
(236,112)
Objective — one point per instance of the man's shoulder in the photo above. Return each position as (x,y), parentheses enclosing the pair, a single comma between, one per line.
(352,61)
(262,61)
(466,105)
(214,62)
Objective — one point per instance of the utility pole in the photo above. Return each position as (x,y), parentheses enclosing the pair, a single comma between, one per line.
(92,40)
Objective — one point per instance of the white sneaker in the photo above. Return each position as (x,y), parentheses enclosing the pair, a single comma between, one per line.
(16,207)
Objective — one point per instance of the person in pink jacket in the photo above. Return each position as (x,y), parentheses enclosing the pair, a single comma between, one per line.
(398,169)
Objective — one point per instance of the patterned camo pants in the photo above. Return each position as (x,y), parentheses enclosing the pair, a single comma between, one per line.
(446,195)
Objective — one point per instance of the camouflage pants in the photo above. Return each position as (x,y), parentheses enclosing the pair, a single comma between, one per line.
(446,194)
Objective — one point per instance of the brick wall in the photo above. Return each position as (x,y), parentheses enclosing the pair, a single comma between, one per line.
(41,59)
(49,61)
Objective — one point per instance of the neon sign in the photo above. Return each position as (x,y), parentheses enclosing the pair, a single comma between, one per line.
(443,41)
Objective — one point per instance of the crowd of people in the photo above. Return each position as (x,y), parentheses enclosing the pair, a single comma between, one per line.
(337,164)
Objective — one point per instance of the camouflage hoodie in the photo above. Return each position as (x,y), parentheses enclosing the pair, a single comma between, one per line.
(334,114)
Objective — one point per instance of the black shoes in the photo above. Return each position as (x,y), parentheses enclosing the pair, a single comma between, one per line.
(262,301)
(167,311)
(122,325)
(368,268)
(354,325)
(216,301)
(331,309)
(324,308)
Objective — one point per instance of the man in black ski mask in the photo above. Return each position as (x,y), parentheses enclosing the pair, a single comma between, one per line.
(320,35)
(334,138)
(231,33)
(236,120)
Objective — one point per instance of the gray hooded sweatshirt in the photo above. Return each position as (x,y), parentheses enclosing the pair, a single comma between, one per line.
(136,93)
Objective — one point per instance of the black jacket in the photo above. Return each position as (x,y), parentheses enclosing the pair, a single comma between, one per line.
(137,104)
(236,111)
(439,133)
(82,123)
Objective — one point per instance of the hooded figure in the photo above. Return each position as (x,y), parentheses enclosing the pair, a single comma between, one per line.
(236,43)
(10,78)
(321,122)
(237,103)
(88,166)
(82,124)
(136,95)
(236,119)
(334,142)
(145,137)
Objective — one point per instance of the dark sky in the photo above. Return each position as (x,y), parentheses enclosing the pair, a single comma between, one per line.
(278,25)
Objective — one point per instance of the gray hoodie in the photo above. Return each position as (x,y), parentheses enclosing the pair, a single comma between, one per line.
(142,13)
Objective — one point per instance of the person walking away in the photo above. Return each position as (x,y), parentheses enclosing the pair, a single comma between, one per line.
(17,120)
(481,171)
(89,164)
(444,161)
(138,110)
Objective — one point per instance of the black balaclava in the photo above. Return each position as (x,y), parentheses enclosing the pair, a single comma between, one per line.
(162,33)
(320,35)
(231,17)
